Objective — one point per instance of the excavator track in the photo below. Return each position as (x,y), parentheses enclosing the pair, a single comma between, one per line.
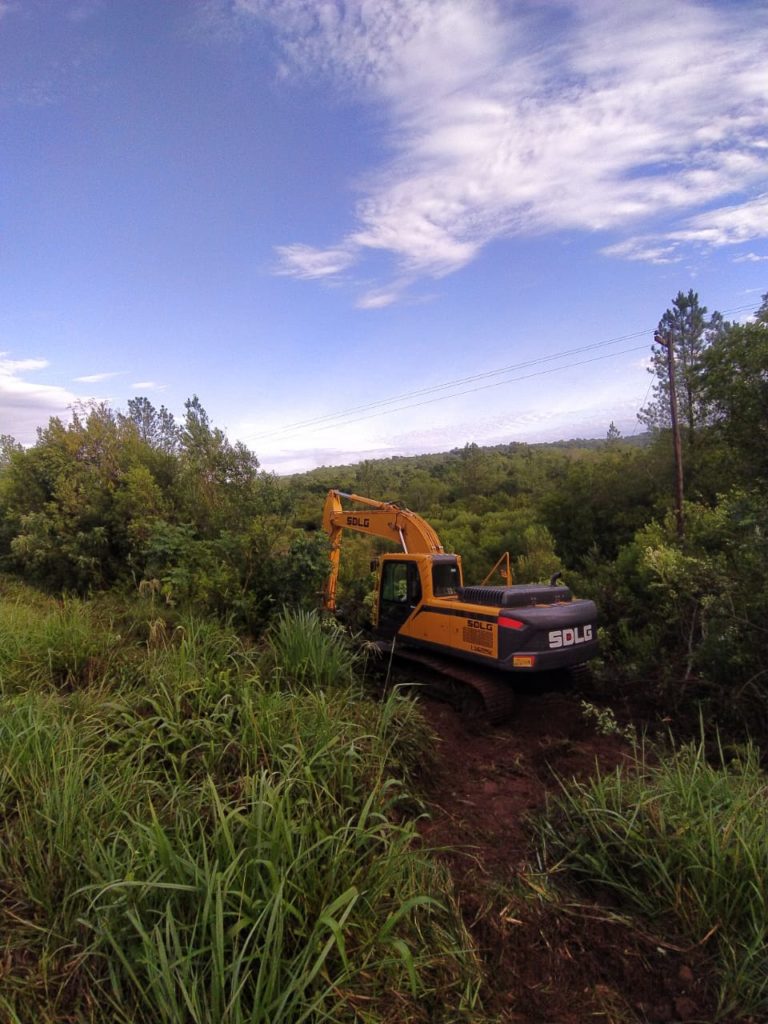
(580,675)
(477,693)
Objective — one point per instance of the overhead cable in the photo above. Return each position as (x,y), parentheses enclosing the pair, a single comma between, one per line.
(346,417)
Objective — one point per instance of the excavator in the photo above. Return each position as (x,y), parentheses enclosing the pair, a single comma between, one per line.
(479,638)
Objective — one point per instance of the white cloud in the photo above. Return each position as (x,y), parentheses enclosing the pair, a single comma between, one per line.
(647,250)
(729,225)
(148,385)
(25,405)
(435,44)
(749,257)
(94,378)
(521,412)
(306,262)
(13,366)
(378,298)
(566,115)
(589,419)
(726,225)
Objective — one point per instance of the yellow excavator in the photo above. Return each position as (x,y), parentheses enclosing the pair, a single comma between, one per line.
(481,637)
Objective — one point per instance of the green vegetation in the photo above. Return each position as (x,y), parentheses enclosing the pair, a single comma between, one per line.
(209,843)
(680,838)
(204,818)
(57,648)
(117,499)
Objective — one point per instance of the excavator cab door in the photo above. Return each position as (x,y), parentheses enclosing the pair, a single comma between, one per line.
(399,595)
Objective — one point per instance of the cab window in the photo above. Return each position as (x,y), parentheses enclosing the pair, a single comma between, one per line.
(400,583)
(445,579)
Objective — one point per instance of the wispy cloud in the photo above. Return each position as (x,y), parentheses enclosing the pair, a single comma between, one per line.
(560,116)
(727,225)
(307,262)
(378,298)
(532,426)
(521,415)
(10,367)
(750,257)
(94,378)
(645,250)
(25,404)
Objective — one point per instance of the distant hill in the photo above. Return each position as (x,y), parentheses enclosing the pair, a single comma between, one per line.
(431,460)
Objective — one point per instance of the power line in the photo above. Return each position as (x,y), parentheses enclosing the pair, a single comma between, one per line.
(458,382)
(468,391)
(387,405)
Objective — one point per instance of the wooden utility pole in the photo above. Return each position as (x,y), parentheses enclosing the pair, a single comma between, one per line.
(666,342)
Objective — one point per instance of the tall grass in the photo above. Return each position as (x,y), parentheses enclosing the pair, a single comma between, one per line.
(61,645)
(204,844)
(682,839)
(311,650)
(257,911)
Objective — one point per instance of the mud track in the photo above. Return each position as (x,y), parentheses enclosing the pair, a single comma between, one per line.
(570,960)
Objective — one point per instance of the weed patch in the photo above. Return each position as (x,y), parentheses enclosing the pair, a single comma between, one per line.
(680,838)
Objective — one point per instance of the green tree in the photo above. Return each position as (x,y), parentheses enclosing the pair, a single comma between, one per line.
(156,427)
(8,445)
(613,436)
(735,383)
(686,326)
(62,521)
(596,503)
(692,613)
(422,491)
(370,479)
(217,487)
(479,473)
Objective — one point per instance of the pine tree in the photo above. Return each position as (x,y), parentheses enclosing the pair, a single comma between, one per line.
(685,324)
(613,436)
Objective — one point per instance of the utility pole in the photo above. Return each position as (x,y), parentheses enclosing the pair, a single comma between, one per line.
(666,342)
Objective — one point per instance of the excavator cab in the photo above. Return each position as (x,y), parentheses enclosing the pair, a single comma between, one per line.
(406,582)
(399,594)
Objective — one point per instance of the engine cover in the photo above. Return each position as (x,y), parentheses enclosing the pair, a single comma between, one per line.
(522,595)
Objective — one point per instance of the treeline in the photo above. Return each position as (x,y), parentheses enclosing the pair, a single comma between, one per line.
(139,500)
(136,499)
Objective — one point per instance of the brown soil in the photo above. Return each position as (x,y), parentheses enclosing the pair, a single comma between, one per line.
(547,961)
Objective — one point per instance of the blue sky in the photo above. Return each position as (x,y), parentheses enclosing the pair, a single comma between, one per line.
(371,227)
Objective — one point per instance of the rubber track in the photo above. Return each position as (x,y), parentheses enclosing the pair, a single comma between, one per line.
(496,693)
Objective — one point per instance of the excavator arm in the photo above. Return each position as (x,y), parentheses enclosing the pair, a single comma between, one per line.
(385,519)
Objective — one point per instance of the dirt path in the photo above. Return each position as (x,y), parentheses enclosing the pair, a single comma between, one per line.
(547,962)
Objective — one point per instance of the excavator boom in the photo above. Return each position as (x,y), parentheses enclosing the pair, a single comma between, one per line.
(386,519)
